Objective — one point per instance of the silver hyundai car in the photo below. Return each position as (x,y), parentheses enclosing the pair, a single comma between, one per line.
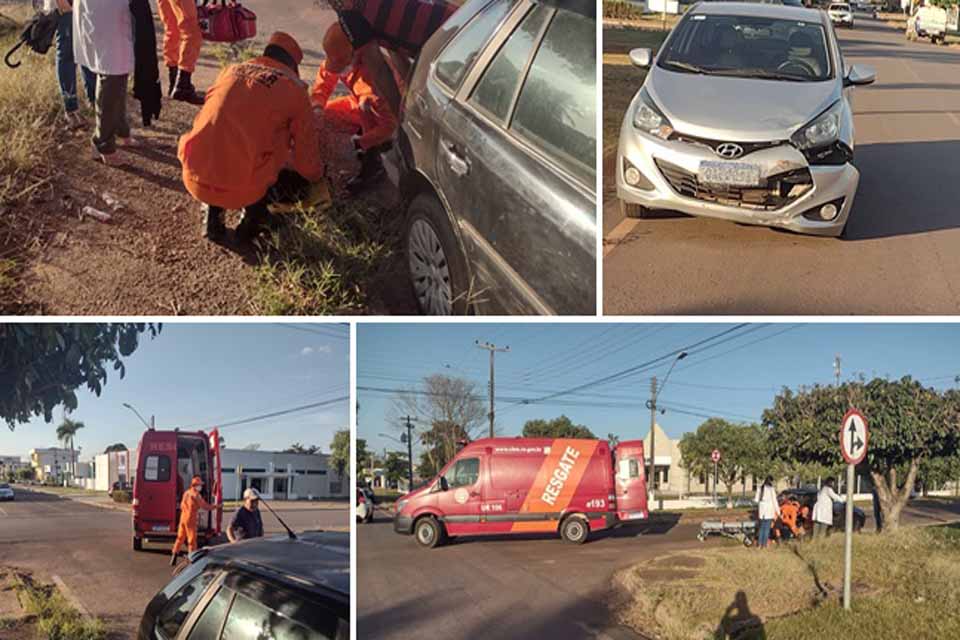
(744,115)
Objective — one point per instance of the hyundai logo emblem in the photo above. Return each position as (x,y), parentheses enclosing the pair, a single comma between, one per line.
(729,150)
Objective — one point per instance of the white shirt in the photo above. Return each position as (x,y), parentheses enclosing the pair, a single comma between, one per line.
(823,509)
(103,36)
(767,507)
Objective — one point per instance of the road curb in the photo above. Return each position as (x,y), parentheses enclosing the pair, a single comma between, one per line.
(70,596)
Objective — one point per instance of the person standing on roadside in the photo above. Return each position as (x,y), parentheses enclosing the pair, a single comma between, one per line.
(823,509)
(191,504)
(767,510)
(246,521)
(181,47)
(67,65)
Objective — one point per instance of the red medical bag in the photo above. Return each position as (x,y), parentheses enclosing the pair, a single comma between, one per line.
(226,22)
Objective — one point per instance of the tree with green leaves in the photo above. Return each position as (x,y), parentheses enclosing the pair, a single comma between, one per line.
(26,474)
(937,471)
(742,452)
(441,443)
(43,365)
(296,447)
(340,452)
(561,427)
(908,423)
(115,447)
(363,456)
(395,467)
(66,432)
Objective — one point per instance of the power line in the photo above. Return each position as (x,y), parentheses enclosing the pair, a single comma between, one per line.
(282,412)
(316,329)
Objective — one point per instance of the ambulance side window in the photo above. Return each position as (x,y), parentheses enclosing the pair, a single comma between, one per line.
(465,473)
(459,54)
(156,469)
(628,468)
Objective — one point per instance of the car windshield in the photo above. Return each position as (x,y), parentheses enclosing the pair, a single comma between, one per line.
(839,7)
(748,47)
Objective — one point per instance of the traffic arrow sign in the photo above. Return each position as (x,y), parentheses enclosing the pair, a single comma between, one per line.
(854,436)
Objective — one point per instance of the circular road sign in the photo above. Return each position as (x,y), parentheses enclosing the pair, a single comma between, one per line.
(853,437)
(715,456)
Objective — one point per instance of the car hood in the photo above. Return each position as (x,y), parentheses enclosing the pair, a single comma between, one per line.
(738,109)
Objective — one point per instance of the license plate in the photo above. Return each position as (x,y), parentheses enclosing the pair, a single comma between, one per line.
(160,527)
(734,174)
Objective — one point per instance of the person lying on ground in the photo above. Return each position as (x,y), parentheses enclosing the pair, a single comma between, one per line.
(111,40)
(256,121)
(182,41)
(362,110)
(400,27)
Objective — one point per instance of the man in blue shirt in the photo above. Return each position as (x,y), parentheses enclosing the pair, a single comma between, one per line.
(246,521)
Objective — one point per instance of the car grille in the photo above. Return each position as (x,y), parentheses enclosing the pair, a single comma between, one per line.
(748,147)
(779,191)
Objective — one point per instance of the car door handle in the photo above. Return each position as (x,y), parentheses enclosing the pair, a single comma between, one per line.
(474,494)
(458,164)
(421,103)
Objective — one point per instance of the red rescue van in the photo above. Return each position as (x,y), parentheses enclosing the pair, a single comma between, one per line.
(166,463)
(524,485)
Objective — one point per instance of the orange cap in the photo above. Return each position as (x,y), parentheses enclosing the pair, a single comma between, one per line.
(337,48)
(287,42)
(196,482)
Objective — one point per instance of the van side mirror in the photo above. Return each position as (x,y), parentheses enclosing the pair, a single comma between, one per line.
(443,484)
(859,75)
(641,57)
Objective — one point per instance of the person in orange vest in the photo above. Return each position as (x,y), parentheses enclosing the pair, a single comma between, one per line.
(191,505)
(362,110)
(789,511)
(256,122)
(181,47)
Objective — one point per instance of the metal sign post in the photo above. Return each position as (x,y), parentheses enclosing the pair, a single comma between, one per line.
(715,456)
(853,447)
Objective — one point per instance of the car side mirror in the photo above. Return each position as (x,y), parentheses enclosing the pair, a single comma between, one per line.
(859,75)
(641,57)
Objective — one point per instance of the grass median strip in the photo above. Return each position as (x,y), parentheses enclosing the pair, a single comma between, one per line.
(49,614)
(904,584)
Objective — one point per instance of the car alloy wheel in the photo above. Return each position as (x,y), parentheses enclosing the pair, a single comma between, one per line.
(429,269)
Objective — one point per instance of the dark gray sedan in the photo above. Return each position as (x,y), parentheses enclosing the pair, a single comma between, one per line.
(496,159)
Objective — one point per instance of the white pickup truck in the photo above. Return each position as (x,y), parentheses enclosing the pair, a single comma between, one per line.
(928,22)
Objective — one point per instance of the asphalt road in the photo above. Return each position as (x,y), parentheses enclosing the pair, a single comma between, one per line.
(519,587)
(90,549)
(901,256)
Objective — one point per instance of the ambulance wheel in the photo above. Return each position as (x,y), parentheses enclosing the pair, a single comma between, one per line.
(428,532)
(575,529)
(137,543)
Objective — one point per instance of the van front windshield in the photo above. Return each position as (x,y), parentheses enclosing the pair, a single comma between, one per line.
(748,47)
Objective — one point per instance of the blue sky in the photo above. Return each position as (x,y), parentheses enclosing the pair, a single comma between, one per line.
(735,379)
(200,375)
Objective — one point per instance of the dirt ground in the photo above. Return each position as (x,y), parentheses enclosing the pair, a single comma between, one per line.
(149,259)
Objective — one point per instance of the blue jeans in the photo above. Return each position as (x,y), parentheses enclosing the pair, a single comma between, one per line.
(67,67)
(763,537)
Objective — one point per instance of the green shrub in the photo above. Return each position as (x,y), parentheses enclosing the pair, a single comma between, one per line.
(122,495)
(621,10)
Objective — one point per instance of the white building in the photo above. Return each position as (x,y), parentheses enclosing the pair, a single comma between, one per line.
(116,466)
(11,464)
(53,463)
(281,476)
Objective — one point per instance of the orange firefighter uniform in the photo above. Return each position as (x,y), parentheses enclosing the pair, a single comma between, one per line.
(362,109)
(190,506)
(789,511)
(181,33)
(255,121)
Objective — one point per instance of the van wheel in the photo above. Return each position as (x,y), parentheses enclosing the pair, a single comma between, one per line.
(428,532)
(575,529)
(630,210)
(436,266)
(137,543)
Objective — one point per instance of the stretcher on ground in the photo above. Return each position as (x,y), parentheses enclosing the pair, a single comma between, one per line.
(744,531)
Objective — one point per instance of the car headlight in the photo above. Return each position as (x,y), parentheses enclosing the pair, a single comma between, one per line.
(649,119)
(820,132)
(400,505)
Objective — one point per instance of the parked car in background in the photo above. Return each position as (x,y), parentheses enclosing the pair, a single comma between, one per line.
(6,492)
(774,143)
(807,497)
(841,15)
(928,22)
(273,587)
(365,505)
(496,161)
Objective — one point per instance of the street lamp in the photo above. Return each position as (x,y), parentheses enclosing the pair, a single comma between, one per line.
(652,405)
(137,413)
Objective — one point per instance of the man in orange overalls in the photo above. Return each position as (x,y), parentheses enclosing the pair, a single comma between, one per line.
(190,506)
(181,47)
(256,122)
(362,110)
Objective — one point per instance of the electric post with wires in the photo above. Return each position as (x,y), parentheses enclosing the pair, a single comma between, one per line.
(493,349)
(652,405)
(407,437)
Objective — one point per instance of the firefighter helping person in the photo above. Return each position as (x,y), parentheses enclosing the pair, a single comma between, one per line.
(191,504)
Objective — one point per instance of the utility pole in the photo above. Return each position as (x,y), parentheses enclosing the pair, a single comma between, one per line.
(409,436)
(836,369)
(493,349)
(653,435)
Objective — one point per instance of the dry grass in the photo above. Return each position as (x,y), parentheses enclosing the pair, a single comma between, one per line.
(55,618)
(905,585)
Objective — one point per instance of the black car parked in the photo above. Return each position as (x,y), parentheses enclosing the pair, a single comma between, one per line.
(807,497)
(274,588)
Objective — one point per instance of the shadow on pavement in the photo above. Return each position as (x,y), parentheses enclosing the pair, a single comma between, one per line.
(905,188)
(739,623)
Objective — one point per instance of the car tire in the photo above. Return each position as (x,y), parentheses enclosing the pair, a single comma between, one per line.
(635,211)
(575,530)
(428,532)
(137,543)
(434,259)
